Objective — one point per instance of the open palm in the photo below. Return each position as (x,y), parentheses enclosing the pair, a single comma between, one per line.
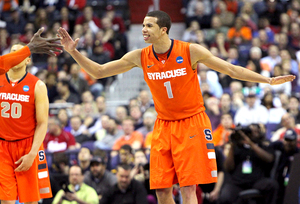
(66,40)
(282,79)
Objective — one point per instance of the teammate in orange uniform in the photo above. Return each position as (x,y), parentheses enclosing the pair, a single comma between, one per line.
(24,115)
(182,149)
(36,45)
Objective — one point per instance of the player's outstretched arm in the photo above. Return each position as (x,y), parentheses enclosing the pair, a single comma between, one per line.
(202,55)
(127,62)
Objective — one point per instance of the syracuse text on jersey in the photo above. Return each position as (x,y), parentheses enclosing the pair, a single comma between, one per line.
(167,74)
(14,97)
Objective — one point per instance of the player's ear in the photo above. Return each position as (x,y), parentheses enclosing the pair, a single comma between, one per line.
(28,60)
(164,29)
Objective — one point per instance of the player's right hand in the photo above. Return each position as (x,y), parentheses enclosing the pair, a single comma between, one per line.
(68,43)
(42,45)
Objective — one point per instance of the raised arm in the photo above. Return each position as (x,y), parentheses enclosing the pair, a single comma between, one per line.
(202,55)
(36,45)
(127,62)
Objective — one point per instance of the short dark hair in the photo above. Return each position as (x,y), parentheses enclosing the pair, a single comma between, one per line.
(163,19)
(126,147)
(124,166)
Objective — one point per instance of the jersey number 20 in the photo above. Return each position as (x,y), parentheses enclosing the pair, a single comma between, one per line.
(14,110)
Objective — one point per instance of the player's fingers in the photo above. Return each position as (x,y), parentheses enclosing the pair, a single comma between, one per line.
(39,32)
(19,168)
(76,42)
(19,161)
(53,39)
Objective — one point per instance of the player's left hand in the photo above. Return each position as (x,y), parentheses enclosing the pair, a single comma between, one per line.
(281,79)
(25,163)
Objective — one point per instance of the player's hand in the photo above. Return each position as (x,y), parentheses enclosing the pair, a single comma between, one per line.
(281,79)
(66,40)
(42,45)
(25,163)
(214,195)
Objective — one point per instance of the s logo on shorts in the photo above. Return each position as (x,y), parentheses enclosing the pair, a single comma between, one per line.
(41,155)
(208,135)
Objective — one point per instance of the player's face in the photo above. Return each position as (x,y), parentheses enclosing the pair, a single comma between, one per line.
(151,31)
(24,62)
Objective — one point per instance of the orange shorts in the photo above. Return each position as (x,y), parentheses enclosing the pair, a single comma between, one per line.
(27,186)
(182,152)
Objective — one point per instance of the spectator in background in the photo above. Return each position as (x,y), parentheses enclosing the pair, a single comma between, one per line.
(287,122)
(239,33)
(247,167)
(51,80)
(88,16)
(77,190)
(112,134)
(57,139)
(6,7)
(190,34)
(268,63)
(223,131)
(16,26)
(200,16)
(66,19)
(126,189)
(130,137)
(274,113)
(148,123)
(293,108)
(249,15)
(65,94)
(117,21)
(227,17)
(136,114)
(216,27)
(84,157)
(287,148)
(99,177)
(255,113)
(79,84)
(284,88)
(121,114)
(78,129)
(213,111)
(63,117)
(294,36)
(285,22)
(272,12)
(76,6)
(41,19)
(145,100)
(226,104)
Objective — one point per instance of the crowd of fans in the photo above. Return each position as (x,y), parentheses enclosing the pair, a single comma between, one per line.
(89,145)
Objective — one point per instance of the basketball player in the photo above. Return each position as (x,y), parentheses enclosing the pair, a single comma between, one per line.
(36,45)
(181,150)
(24,115)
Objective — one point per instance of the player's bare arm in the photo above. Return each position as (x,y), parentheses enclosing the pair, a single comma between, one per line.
(42,107)
(127,62)
(202,55)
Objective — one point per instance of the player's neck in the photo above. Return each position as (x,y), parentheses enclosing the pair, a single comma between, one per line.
(15,75)
(162,45)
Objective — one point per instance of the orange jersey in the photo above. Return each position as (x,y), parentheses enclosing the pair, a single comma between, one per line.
(174,84)
(17,106)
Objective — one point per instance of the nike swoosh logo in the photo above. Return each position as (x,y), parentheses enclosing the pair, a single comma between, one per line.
(192,136)
(148,66)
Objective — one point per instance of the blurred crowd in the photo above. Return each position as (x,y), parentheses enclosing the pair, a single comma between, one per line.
(90,145)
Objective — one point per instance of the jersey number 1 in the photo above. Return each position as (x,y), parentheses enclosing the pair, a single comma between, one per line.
(169,89)
(13,111)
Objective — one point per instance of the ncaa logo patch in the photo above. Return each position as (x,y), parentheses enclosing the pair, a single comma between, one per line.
(25,88)
(179,59)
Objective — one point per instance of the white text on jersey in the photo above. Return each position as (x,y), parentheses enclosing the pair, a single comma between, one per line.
(14,97)
(166,74)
